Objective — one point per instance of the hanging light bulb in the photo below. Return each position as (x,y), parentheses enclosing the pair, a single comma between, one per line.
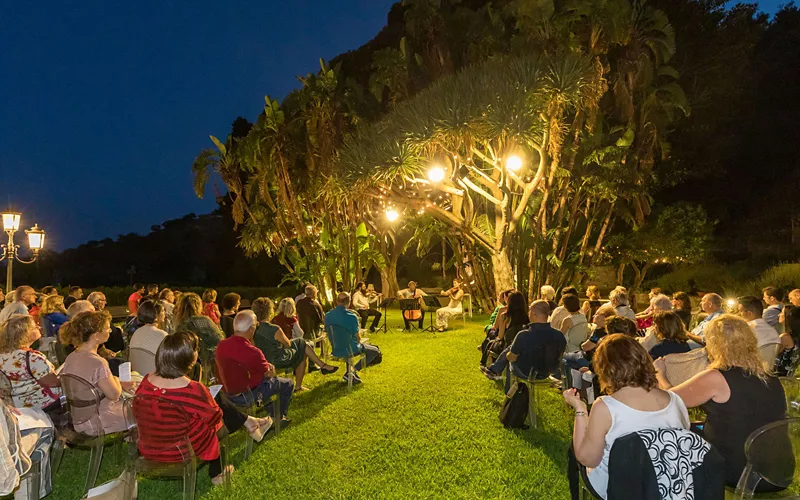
(514,163)
(436,173)
(392,215)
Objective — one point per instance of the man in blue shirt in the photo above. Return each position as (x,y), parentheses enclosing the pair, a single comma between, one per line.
(536,350)
(773,297)
(342,326)
(711,304)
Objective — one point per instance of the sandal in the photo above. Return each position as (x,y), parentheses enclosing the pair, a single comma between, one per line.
(328,369)
(260,428)
(218,480)
(302,388)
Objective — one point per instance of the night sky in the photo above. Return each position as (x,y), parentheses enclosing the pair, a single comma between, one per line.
(105,104)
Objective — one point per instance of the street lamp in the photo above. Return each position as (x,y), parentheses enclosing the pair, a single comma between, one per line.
(10,250)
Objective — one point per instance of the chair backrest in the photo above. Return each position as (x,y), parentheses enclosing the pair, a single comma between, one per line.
(577,335)
(772,455)
(160,426)
(791,388)
(553,354)
(82,404)
(341,340)
(768,353)
(680,367)
(6,389)
(142,360)
(234,376)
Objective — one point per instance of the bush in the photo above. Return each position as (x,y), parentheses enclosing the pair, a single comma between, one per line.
(785,276)
(118,295)
(731,280)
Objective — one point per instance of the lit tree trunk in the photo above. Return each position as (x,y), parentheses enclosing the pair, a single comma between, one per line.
(503,271)
(389,285)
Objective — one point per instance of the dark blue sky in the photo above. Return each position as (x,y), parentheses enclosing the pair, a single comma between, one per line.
(104,105)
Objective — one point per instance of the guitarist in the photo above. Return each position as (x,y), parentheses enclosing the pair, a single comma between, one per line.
(412,292)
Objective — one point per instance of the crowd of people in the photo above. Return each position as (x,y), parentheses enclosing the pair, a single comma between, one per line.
(180,341)
(652,366)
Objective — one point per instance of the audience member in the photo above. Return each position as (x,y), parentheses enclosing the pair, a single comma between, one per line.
(134,298)
(682,305)
(87,331)
(619,301)
(52,315)
(750,308)
(785,365)
(21,448)
(362,308)
(230,306)
(670,334)
(149,336)
(453,307)
(255,374)
(502,301)
(536,349)
(560,313)
(659,303)
(49,290)
(175,359)
(303,292)
(773,297)
(510,321)
(189,316)
(284,354)
(23,297)
(2,298)
(711,304)
(151,293)
(34,383)
(287,319)
(593,303)
(310,315)
(116,339)
(75,293)
(794,297)
(548,294)
(34,308)
(574,327)
(633,402)
(736,392)
(167,299)
(342,327)
(210,307)
(605,323)
(648,313)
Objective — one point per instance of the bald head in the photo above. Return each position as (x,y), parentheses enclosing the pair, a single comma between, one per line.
(343,299)
(539,311)
(79,306)
(25,294)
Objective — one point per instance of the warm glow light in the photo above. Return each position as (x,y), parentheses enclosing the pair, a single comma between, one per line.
(11,221)
(35,238)
(731,302)
(392,215)
(514,163)
(436,174)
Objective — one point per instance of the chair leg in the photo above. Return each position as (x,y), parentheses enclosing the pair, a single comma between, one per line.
(189,480)
(57,453)
(349,374)
(95,457)
(533,405)
(276,420)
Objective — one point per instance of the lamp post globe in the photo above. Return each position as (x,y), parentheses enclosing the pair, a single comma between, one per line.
(10,250)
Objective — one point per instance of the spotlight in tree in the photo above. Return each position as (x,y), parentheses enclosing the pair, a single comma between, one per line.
(436,173)
(514,163)
(392,215)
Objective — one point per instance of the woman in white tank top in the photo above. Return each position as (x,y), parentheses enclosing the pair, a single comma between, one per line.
(634,403)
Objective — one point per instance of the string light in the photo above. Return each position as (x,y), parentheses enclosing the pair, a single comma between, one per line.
(392,215)
(436,173)
(514,163)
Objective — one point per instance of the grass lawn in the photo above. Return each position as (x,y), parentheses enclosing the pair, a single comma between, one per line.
(423,425)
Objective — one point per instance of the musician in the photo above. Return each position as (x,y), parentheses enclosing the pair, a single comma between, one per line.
(444,314)
(412,292)
(362,308)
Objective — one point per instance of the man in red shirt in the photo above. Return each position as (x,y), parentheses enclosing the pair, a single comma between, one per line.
(242,366)
(134,299)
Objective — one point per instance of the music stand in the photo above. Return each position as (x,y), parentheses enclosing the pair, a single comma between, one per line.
(383,305)
(432,304)
(409,305)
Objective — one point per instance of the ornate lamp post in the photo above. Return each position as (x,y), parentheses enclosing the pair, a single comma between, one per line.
(10,250)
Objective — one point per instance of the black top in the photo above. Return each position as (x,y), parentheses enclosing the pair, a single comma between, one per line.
(594,305)
(539,347)
(68,301)
(552,305)
(685,316)
(668,347)
(752,405)
(226,323)
(310,316)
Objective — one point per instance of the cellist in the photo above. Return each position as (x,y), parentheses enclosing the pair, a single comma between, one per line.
(412,292)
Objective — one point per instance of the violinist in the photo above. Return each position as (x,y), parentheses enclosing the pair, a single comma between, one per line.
(412,292)
(453,308)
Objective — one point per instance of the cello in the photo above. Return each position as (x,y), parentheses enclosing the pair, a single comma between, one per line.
(414,314)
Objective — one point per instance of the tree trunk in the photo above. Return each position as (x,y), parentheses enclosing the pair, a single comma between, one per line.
(389,286)
(503,271)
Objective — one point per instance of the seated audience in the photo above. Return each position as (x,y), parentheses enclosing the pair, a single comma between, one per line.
(48,290)
(536,348)
(510,321)
(75,293)
(52,315)
(310,315)
(230,306)
(31,444)
(773,297)
(87,331)
(284,354)
(794,297)
(116,339)
(502,301)
(175,359)
(149,336)
(574,327)
(167,299)
(750,308)
(633,402)
(560,313)
(362,307)
(151,293)
(648,313)
(287,319)
(210,307)
(711,305)
(453,307)
(242,366)
(189,316)
(736,392)
(34,383)
(342,327)
(786,362)
(22,298)
(669,333)
(593,303)
(619,301)
(134,299)
(659,303)
(548,294)
(682,305)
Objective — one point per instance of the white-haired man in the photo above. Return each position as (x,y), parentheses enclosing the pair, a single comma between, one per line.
(548,294)
(23,297)
(244,367)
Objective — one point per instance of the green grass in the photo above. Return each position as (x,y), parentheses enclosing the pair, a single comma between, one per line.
(423,425)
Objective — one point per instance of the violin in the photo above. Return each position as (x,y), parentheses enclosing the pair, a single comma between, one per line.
(414,314)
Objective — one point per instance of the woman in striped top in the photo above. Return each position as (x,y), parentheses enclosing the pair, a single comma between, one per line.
(175,359)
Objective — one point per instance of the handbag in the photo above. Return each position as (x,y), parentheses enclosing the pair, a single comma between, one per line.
(515,407)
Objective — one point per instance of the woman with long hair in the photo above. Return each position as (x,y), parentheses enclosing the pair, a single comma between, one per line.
(786,362)
(593,303)
(736,392)
(513,318)
(52,315)
(279,350)
(633,402)
(189,316)
(682,305)
(670,333)
(210,307)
